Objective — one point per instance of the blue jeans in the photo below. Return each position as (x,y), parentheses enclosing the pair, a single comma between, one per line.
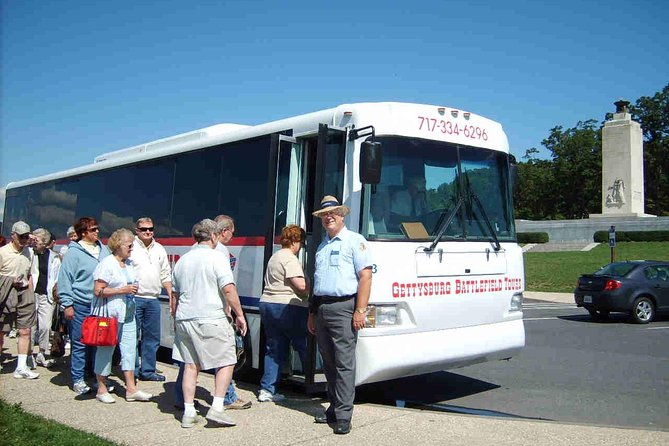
(284,325)
(127,342)
(230,394)
(81,355)
(147,316)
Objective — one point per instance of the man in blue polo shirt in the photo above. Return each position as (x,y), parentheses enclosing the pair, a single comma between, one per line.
(342,281)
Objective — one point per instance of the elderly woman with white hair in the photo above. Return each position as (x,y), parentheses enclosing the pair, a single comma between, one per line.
(204,338)
(72,236)
(44,271)
(115,287)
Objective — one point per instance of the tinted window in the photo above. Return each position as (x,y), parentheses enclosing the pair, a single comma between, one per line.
(16,209)
(616,269)
(118,197)
(243,186)
(48,205)
(176,192)
(657,272)
(196,189)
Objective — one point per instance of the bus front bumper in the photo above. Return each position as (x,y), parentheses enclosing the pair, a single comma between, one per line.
(381,358)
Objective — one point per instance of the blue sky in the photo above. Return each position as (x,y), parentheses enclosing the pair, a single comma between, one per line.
(81,78)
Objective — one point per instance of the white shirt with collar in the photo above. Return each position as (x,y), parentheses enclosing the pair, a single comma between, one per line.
(152,268)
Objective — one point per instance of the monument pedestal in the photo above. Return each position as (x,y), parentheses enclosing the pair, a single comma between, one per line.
(622,166)
(620,215)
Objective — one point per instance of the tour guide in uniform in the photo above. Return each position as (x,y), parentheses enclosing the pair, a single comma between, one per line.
(342,282)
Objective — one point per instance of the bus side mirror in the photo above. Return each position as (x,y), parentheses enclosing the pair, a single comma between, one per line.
(513,173)
(370,162)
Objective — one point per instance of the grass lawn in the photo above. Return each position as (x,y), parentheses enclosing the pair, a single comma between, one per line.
(18,427)
(558,271)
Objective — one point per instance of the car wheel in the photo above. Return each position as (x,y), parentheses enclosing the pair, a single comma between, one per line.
(643,310)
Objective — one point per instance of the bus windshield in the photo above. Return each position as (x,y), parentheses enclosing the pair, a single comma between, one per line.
(421,184)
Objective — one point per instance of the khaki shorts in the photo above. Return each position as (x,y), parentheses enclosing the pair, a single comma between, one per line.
(208,343)
(19,307)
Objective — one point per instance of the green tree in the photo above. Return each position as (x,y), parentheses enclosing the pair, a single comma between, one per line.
(535,196)
(653,115)
(577,168)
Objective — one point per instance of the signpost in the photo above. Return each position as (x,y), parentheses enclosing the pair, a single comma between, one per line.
(612,242)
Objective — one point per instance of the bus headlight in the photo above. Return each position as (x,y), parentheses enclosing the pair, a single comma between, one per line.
(382,316)
(516,302)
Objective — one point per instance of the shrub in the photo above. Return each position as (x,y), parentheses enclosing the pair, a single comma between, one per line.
(533,237)
(633,236)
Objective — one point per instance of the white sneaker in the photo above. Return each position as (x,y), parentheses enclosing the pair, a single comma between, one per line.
(265,397)
(220,417)
(42,361)
(81,388)
(105,398)
(138,396)
(12,333)
(25,374)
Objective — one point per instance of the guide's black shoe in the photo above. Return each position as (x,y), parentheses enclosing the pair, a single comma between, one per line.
(342,427)
(152,377)
(325,418)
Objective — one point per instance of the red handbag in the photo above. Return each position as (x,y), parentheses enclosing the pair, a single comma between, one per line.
(99,330)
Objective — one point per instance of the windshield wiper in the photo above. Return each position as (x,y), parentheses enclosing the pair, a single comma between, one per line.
(451,216)
(445,225)
(496,244)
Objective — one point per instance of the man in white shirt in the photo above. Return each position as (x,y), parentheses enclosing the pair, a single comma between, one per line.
(153,272)
(17,299)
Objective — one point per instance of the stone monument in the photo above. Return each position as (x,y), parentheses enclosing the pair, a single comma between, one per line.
(622,166)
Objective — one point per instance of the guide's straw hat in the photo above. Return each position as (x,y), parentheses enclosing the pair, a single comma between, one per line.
(329,204)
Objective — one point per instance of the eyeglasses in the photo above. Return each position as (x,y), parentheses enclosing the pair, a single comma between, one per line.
(129,246)
(330,214)
(149,229)
(93,229)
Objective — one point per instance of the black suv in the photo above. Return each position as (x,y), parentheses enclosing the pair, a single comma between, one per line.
(637,287)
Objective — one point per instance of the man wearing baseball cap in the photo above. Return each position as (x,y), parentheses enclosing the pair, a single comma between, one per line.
(338,308)
(17,299)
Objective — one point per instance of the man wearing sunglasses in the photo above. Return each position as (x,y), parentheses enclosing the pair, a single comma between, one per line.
(153,271)
(17,299)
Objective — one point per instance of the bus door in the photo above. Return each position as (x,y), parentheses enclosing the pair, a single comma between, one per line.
(304,170)
(287,191)
(325,177)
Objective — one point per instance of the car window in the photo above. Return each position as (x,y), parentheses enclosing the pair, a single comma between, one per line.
(651,273)
(616,269)
(663,273)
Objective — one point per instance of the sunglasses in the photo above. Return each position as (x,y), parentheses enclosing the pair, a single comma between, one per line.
(93,229)
(149,229)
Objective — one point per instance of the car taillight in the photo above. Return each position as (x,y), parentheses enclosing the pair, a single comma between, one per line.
(612,285)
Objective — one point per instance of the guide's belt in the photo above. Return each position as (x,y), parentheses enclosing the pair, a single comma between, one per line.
(330,299)
(317,301)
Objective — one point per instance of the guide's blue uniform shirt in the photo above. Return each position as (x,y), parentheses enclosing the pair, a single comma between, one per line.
(338,261)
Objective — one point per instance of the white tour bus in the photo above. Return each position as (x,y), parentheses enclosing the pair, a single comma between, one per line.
(428,186)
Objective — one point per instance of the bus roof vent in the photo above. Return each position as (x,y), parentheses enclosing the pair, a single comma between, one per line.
(174,141)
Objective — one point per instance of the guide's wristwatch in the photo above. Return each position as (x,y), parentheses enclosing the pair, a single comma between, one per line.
(361,310)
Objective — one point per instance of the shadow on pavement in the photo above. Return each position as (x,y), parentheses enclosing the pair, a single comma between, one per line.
(426,389)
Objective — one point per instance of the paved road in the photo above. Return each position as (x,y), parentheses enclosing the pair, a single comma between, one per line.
(291,423)
(572,370)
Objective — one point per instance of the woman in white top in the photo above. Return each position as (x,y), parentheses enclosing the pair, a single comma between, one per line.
(115,287)
(283,310)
